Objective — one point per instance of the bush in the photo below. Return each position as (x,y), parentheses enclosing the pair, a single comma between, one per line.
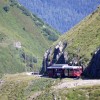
(24,28)
(6,8)
(37,23)
(2,37)
(27,13)
(46,30)
(45,34)
(13,2)
(34,60)
(28,58)
(24,10)
(53,37)
(36,18)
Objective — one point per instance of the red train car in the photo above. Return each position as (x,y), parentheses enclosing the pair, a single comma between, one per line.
(64,70)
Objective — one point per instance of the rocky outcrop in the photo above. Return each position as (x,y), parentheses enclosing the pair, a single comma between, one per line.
(93,69)
(46,61)
(59,56)
(56,56)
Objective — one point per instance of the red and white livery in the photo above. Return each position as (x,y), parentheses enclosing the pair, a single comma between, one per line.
(64,70)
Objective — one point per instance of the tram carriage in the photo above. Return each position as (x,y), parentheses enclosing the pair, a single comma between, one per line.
(64,70)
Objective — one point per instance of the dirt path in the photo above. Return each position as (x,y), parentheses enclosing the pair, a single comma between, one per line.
(34,96)
(68,84)
(76,83)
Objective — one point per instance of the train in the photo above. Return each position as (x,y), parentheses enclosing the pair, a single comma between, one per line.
(64,70)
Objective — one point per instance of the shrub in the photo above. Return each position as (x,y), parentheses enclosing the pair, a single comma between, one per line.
(24,28)
(53,37)
(34,19)
(46,30)
(2,37)
(6,8)
(37,23)
(24,10)
(34,60)
(28,58)
(13,2)
(45,34)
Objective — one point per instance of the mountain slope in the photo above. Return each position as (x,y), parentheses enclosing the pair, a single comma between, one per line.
(19,26)
(59,13)
(84,38)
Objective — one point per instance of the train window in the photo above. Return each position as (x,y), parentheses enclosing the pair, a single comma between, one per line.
(70,69)
(71,72)
(76,69)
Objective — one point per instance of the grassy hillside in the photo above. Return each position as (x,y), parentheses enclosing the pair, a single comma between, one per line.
(84,38)
(17,24)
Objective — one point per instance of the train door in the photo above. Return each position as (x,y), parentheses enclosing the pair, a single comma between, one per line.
(71,71)
(66,72)
(50,72)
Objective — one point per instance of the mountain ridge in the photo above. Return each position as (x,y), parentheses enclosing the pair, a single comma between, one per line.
(61,16)
(83,39)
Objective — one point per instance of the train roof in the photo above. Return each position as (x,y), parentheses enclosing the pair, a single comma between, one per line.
(63,66)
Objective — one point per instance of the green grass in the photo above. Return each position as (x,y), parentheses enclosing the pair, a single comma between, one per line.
(16,26)
(14,86)
(41,84)
(82,93)
(85,93)
(22,86)
(84,38)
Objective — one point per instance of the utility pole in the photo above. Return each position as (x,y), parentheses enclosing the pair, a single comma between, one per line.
(32,64)
(25,63)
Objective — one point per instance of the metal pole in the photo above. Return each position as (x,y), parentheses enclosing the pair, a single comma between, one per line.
(32,65)
(25,63)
